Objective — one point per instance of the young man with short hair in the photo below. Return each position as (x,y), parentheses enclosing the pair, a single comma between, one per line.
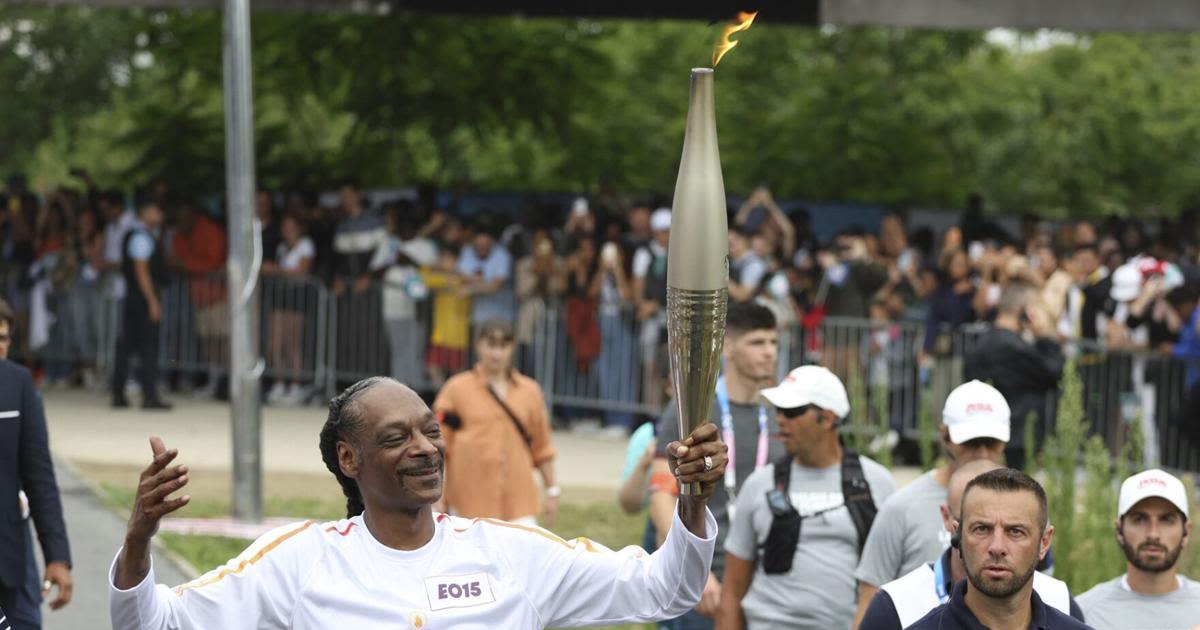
(1152,529)
(909,532)
(1002,534)
(801,521)
(747,424)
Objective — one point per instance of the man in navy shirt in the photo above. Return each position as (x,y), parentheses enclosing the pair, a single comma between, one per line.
(1003,533)
(902,602)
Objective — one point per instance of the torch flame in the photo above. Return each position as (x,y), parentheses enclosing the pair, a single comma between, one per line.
(741,23)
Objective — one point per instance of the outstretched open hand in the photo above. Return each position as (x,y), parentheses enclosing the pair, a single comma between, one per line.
(155,485)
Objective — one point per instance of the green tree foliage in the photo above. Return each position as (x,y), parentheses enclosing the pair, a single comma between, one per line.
(1090,124)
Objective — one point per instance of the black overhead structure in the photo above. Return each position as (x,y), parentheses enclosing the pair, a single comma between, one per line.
(1072,15)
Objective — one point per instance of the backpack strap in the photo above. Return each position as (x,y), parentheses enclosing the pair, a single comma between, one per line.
(783,473)
(856,492)
(779,549)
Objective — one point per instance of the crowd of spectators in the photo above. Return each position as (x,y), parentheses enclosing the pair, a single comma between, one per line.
(600,263)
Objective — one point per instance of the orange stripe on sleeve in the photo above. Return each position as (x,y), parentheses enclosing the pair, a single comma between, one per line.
(587,544)
(243,564)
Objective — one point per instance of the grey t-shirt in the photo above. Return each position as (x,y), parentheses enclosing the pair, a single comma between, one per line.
(908,532)
(745,433)
(1112,606)
(819,592)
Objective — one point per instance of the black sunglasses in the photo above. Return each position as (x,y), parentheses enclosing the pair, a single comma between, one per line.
(5,338)
(796,412)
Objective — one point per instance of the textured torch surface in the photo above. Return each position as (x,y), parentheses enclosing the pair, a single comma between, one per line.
(696,333)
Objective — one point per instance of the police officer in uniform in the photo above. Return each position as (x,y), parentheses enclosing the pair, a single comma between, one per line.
(144,266)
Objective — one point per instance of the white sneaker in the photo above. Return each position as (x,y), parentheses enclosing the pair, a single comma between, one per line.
(208,392)
(278,391)
(295,395)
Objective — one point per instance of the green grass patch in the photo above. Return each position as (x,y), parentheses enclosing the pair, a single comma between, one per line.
(204,552)
(121,499)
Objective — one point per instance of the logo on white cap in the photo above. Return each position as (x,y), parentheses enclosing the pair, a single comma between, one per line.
(976,410)
(1152,483)
(810,385)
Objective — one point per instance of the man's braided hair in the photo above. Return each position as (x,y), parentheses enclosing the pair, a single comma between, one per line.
(344,423)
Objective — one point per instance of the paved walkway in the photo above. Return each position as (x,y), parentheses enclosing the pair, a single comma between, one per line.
(84,430)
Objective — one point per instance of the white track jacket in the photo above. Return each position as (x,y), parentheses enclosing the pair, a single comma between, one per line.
(474,573)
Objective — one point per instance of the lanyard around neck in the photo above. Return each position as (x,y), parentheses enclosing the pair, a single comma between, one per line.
(760,458)
(939,578)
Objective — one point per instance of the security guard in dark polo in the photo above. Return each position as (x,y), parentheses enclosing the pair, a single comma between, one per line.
(144,265)
(1002,532)
(27,489)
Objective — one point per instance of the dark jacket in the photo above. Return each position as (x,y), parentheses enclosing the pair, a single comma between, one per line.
(159,273)
(853,297)
(25,465)
(947,312)
(1025,373)
(955,614)
(882,613)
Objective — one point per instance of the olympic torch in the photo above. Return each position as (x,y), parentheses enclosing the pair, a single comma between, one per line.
(697,264)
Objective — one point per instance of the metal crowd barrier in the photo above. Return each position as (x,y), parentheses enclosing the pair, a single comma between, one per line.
(603,363)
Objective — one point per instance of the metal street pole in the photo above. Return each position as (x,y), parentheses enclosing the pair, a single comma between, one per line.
(243,265)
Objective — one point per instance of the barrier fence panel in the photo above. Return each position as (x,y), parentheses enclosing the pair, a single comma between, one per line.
(592,364)
(294,321)
(592,361)
(358,335)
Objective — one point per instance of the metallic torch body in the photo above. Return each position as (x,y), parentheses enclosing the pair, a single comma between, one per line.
(697,264)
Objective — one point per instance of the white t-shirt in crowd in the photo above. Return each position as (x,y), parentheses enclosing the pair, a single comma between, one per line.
(114,240)
(290,259)
(399,294)
(1112,605)
(819,591)
(907,533)
(644,256)
(474,573)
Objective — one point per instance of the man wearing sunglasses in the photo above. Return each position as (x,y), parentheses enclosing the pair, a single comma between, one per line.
(975,425)
(798,526)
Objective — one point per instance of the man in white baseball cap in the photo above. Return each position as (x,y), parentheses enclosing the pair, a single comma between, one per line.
(810,385)
(800,521)
(909,531)
(1152,529)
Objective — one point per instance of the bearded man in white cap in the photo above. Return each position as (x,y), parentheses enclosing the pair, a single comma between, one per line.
(800,522)
(1152,529)
(910,533)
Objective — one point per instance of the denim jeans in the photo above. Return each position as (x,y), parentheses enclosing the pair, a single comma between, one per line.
(616,367)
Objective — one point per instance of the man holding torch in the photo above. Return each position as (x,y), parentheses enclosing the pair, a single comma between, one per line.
(394,561)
